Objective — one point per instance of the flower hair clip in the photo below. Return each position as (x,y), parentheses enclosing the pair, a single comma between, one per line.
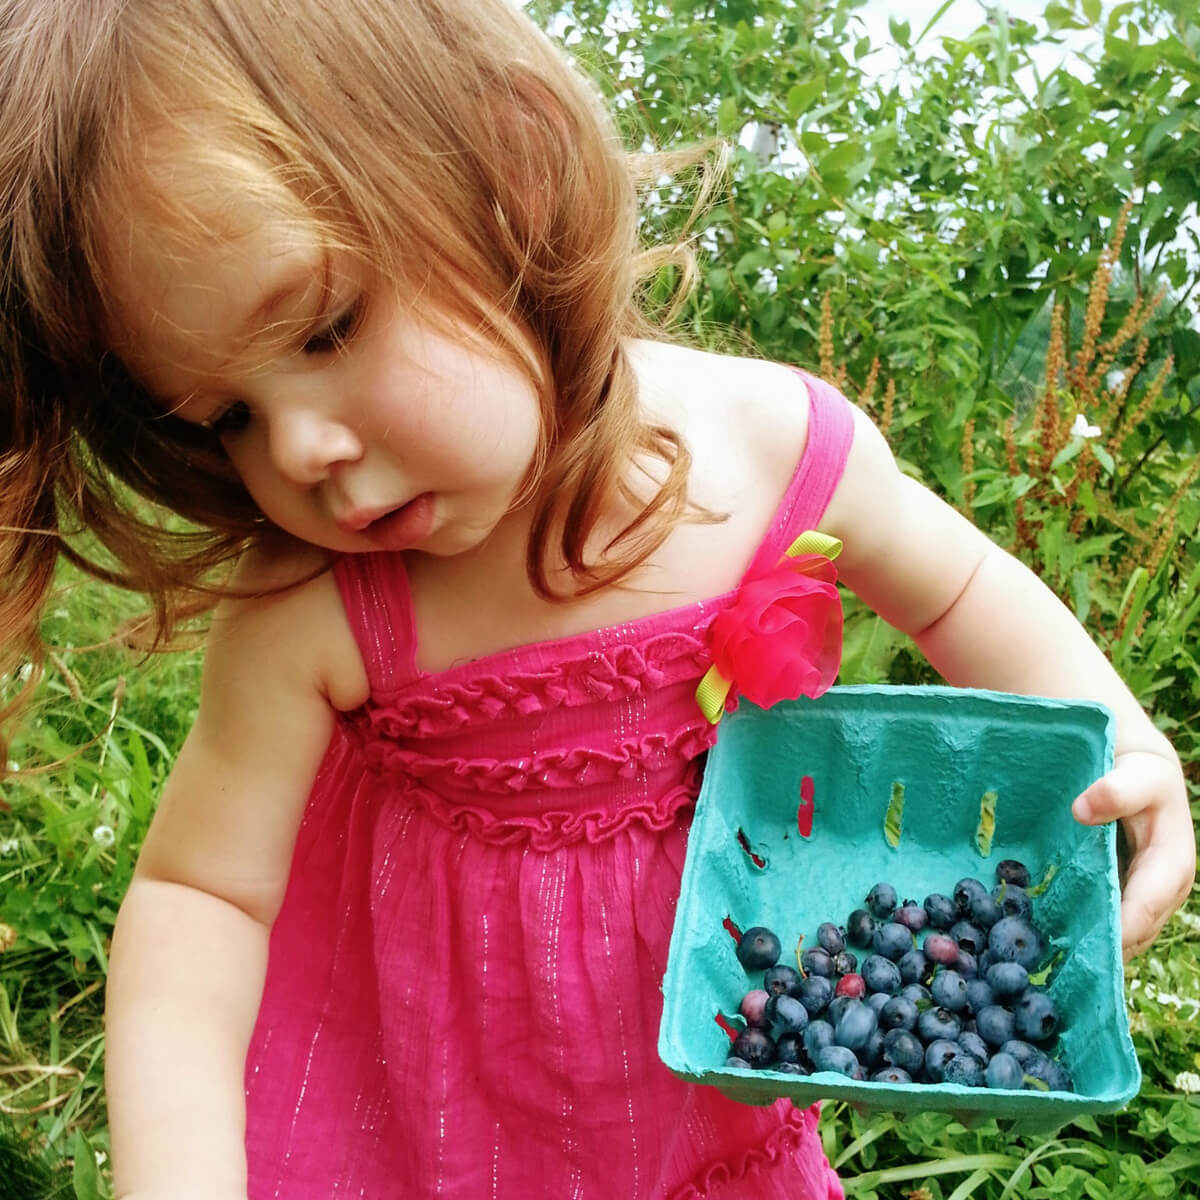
(781,638)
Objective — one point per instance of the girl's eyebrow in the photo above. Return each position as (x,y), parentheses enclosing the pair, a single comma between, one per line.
(296,283)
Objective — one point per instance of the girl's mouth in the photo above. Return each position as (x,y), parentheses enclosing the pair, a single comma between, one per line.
(403,527)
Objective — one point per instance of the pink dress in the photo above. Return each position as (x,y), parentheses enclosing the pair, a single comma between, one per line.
(462,997)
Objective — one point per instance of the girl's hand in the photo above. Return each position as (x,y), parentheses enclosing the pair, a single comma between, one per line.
(1146,792)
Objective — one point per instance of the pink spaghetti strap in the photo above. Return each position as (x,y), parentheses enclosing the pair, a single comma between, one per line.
(374,589)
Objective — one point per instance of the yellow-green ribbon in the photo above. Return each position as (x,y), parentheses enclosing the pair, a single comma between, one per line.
(713,689)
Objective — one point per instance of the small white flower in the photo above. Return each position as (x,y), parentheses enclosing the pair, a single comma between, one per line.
(1081,428)
(13,765)
(103,835)
(1187,1081)
(9,846)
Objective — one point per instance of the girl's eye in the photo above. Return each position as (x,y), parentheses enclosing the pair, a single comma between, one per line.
(229,421)
(334,335)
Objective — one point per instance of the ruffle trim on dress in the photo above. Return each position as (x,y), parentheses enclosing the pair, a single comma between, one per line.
(559,768)
(612,673)
(782,1144)
(552,830)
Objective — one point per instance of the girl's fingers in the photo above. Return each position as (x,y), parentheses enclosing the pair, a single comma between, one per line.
(1158,882)
(1138,781)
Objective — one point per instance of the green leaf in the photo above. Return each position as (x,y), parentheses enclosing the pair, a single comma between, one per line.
(85,1176)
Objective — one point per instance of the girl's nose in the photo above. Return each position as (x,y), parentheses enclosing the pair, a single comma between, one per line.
(306,446)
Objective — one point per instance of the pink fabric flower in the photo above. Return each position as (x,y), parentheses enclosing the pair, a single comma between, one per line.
(782,637)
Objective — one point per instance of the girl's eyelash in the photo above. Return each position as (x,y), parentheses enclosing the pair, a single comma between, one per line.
(230,420)
(335,333)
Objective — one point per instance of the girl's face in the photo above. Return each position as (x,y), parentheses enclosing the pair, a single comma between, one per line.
(354,424)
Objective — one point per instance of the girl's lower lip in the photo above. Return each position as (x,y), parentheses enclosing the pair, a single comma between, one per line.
(404,527)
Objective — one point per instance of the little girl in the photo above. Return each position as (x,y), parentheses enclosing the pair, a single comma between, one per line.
(349,287)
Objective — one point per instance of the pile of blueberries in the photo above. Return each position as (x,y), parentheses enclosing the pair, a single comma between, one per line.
(957,1006)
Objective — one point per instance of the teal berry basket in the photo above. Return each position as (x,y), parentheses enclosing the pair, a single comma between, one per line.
(807,804)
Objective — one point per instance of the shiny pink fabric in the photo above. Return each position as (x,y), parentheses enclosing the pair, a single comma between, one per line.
(463,997)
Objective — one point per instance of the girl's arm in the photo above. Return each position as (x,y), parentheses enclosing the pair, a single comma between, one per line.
(984,619)
(190,948)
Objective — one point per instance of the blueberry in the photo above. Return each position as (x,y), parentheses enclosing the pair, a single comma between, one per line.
(911,915)
(940,910)
(877,1000)
(755,1046)
(1003,1071)
(985,911)
(971,1043)
(1013,939)
(940,948)
(898,1012)
(979,995)
(790,1068)
(758,948)
(789,1048)
(734,1061)
(871,1055)
(1014,901)
(1007,979)
(1023,1052)
(786,1013)
(918,993)
(1051,1072)
(837,1006)
(854,1026)
(817,962)
(1010,870)
(963,1069)
(935,1024)
(781,980)
(937,1054)
(964,891)
(949,989)
(752,1008)
(814,992)
(1034,1016)
(995,1025)
(891,1075)
(902,1048)
(831,938)
(967,965)
(860,928)
(880,974)
(914,967)
(881,900)
(969,936)
(818,1034)
(845,963)
(892,941)
(837,1058)
(850,985)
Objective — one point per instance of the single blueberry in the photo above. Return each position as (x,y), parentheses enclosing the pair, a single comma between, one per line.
(850,985)
(818,1034)
(995,1025)
(1007,979)
(963,1069)
(790,1068)
(837,1058)
(837,1006)
(831,937)
(781,979)
(815,992)
(881,900)
(898,1012)
(734,1061)
(789,1048)
(935,1024)
(1011,870)
(985,911)
(937,1054)
(940,948)
(892,941)
(903,1049)
(845,963)
(756,1046)
(871,1055)
(949,989)
(969,937)
(940,910)
(979,995)
(816,961)
(891,1075)
(786,1013)
(918,993)
(1003,1071)
(1014,901)
(753,1007)
(880,974)
(971,1043)
(964,891)
(758,948)
(1013,939)
(967,965)
(854,1026)
(877,1000)
(914,967)
(1023,1052)
(911,915)
(860,928)
(1035,1016)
